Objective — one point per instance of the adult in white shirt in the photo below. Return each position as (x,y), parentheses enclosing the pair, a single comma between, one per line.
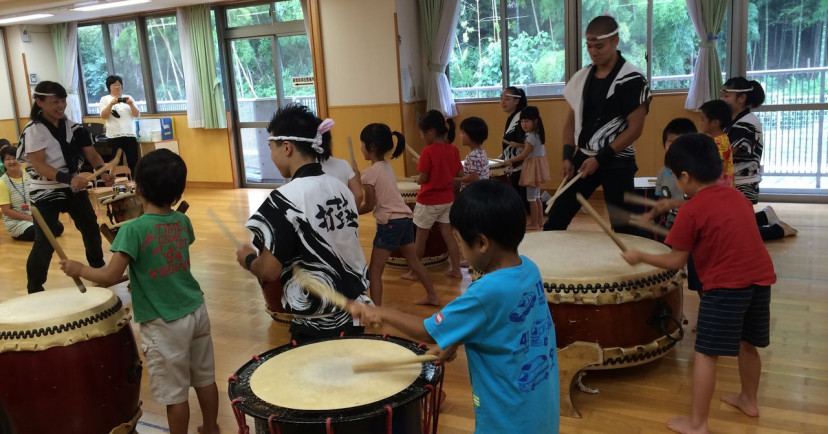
(341,170)
(119,112)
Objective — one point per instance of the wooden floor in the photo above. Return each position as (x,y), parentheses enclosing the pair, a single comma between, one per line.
(793,391)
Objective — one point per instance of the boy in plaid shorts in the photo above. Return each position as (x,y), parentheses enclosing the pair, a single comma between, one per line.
(735,269)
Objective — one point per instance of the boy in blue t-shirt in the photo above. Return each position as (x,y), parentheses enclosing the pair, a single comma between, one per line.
(502,318)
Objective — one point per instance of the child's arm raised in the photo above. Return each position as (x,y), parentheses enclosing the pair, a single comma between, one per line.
(674,260)
(370,200)
(105,276)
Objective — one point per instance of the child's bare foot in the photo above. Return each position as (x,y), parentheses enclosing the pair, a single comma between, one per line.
(454,273)
(738,401)
(409,276)
(685,426)
(429,301)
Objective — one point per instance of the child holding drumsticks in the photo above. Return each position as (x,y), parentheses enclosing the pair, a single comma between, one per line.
(439,164)
(166,299)
(535,167)
(395,228)
(734,267)
(502,318)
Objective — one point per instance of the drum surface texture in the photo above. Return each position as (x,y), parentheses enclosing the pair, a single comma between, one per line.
(74,361)
(305,388)
(633,312)
(436,251)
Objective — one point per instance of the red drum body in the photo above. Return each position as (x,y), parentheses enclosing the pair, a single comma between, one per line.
(272,293)
(436,251)
(69,363)
(333,399)
(123,207)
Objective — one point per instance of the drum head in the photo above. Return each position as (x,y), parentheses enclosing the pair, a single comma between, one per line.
(315,381)
(53,304)
(121,196)
(575,257)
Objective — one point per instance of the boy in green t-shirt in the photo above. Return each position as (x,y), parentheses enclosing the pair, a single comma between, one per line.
(166,299)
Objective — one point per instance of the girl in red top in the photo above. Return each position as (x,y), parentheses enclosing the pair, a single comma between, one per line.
(439,164)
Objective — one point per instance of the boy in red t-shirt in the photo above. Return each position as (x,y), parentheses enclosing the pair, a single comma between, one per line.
(736,271)
(439,164)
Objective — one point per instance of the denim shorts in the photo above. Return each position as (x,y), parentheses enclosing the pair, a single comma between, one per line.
(395,233)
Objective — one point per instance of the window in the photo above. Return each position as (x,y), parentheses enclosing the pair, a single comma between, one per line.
(148,59)
(258,14)
(536,54)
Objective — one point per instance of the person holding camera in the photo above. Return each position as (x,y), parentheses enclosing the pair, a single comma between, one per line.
(119,112)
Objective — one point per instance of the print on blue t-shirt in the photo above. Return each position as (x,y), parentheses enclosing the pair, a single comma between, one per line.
(509,336)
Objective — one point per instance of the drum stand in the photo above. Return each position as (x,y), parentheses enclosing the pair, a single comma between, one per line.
(571,361)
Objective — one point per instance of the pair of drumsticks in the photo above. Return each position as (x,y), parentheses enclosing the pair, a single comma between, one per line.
(319,289)
(624,216)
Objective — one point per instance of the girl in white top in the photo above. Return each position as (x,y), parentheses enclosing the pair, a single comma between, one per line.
(341,170)
(395,224)
(119,112)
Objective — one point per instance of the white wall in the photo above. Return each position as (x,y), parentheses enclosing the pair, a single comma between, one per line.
(360,57)
(412,64)
(6,103)
(40,60)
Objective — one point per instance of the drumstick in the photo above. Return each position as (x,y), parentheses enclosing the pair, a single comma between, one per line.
(318,288)
(223,228)
(51,237)
(412,151)
(392,363)
(353,159)
(594,214)
(639,200)
(507,143)
(620,216)
(108,166)
(560,191)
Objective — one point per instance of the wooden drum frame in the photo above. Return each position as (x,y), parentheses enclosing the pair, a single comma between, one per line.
(413,410)
(436,251)
(74,369)
(123,207)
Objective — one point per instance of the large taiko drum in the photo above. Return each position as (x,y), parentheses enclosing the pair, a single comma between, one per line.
(273,292)
(69,363)
(633,312)
(436,251)
(312,388)
(498,170)
(123,207)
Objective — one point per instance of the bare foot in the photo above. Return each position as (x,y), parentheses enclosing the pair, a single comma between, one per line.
(738,401)
(409,276)
(684,426)
(454,273)
(429,301)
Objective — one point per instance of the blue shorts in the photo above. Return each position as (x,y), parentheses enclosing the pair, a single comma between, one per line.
(729,316)
(395,233)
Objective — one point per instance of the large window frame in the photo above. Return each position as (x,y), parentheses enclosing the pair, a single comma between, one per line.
(143,52)
(574,48)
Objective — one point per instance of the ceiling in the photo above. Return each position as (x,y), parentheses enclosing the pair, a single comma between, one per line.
(62,14)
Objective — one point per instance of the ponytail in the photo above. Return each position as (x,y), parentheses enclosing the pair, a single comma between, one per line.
(400,144)
(434,120)
(756,96)
(450,132)
(379,138)
(753,91)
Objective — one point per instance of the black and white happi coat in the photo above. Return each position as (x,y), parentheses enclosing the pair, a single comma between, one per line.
(745,135)
(627,91)
(312,222)
(63,146)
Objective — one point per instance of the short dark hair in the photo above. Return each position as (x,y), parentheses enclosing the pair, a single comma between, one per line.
(678,126)
(46,88)
(601,25)
(434,120)
(298,120)
(755,95)
(491,208)
(717,110)
(161,176)
(475,128)
(380,139)
(112,79)
(7,150)
(696,154)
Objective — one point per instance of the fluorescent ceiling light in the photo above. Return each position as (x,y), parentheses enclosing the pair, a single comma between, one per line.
(24,18)
(107,5)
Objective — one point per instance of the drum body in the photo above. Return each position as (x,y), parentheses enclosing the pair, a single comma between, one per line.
(436,251)
(123,207)
(272,293)
(410,409)
(497,170)
(634,313)
(69,360)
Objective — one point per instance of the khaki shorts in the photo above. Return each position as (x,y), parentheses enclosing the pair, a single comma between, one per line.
(426,215)
(179,356)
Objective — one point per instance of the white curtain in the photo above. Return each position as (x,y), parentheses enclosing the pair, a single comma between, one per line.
(438,21)
(708,18)
(195,108)
(65,41)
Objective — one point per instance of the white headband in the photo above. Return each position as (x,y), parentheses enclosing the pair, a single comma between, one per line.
(316,142)
(727,89)
(598,38)
(36,93)
(513,96)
